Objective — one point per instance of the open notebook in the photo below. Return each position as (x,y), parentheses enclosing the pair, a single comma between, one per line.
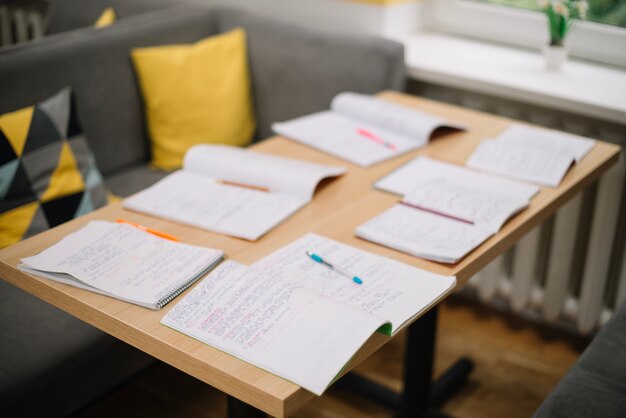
(532,154)
(446,210)
(363,129)
(233,191)
(123,262)
(300,320)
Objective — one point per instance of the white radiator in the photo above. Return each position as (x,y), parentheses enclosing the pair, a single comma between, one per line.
(568,269)
(571,270)
(21,21)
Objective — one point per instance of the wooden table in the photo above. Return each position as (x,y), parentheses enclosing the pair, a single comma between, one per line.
(338,207)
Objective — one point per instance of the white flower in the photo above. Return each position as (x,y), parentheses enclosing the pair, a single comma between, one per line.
(582,7)
(560,8)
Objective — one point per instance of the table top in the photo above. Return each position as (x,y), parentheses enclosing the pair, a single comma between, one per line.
(339,206)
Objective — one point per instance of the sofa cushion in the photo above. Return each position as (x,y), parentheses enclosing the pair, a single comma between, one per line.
(48,174)
(193,94)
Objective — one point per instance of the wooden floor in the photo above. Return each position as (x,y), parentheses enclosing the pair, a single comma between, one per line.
(517,365)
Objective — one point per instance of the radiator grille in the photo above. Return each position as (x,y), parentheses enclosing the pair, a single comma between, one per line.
(22,21)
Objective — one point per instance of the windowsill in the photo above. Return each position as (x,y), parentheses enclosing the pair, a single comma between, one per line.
(580,87)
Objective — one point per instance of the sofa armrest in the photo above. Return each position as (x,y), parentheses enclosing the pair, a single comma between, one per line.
(296,70)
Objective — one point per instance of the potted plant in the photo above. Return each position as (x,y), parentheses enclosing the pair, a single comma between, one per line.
(561,14)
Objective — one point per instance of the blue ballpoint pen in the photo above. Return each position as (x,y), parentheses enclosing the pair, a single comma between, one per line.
(339,270)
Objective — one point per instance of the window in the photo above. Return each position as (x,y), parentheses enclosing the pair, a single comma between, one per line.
(518,22)
(609,12)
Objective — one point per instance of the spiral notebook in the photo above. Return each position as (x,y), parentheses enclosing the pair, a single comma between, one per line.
(123,262)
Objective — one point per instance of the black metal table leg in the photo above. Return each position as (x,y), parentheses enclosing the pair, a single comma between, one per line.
(450,381)
(239,409)
(420,392)
(418,365)
(370,390)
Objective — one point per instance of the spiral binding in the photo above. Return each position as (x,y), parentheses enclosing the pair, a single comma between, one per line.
(167,299)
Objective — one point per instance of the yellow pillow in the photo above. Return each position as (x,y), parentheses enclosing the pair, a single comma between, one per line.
(106,18)
(193,94)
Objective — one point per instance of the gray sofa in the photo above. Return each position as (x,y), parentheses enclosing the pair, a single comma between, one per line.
(50,363)
(596,385)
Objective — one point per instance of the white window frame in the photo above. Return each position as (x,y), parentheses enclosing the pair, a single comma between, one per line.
(524,28)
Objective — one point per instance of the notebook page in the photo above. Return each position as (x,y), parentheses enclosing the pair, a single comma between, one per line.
(524,162)
(390,289)
(544,139)
(201,202)
(423,234)
(363,129)
(454,199)
(395,118)
(340,136)
(422,171)
(275,324)
(122,261)
(279,174)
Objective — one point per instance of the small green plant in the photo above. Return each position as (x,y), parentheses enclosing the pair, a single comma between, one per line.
(560,14)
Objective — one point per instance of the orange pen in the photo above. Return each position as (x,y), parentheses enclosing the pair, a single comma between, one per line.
(149,230)
(245,186)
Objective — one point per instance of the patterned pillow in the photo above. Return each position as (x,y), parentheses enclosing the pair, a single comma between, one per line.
(48,174)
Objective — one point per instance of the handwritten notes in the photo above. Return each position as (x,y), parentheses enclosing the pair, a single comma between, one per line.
(363,129)
(290,317)
(123,262)
(339,136)
(396,118)
(287,176)
(218,190)
(472,203)
(392,289)
(521,162)
(202,202)
(423,234)
(531,154)
(274,324)
(446,211)
(557,142)
(423,171)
